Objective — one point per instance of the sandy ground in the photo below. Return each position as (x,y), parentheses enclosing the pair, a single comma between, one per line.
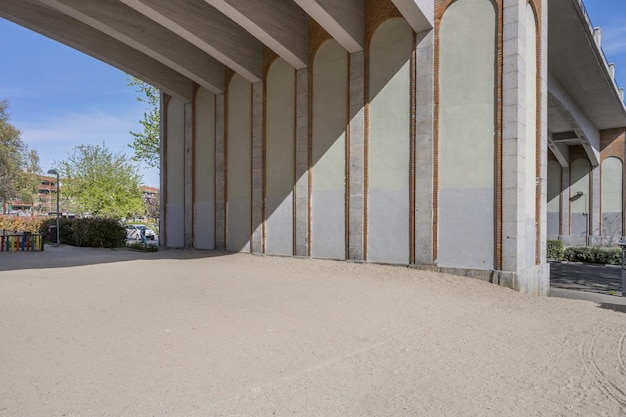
(178,333)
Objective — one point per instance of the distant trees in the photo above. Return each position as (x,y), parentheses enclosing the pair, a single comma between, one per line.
(19,166)
(146,144)
(101,183)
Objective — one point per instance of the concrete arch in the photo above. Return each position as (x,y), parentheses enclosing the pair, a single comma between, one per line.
(279,157)
(612,199)
(467,134)
(390,52)
(328,151)
(239,165)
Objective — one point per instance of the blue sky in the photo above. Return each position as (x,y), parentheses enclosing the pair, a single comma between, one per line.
(60,98)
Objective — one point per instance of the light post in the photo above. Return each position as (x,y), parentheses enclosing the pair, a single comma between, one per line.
(55,172)
(622,244)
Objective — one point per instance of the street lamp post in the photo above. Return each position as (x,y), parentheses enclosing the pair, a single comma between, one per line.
(55,172)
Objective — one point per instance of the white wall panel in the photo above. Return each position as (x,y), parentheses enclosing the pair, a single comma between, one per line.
(175,210)
(389,143)
(239,165)
(467,104)
(280,158)
(204,171)
(330,84)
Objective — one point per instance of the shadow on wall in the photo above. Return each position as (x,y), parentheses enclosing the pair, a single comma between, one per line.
(329,112)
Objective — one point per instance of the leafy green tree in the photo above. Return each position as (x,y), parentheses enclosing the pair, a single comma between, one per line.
(19,166)
(146,144)
(100,182)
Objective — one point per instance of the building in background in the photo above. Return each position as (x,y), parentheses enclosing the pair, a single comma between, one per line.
(449,135)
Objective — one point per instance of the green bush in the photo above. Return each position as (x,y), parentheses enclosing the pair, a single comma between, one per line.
(592,254)
(555,249)
(92,233)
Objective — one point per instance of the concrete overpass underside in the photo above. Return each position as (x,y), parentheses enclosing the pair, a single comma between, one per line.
(417,132)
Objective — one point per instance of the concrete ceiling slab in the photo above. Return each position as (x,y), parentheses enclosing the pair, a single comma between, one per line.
(344,20)
(205,27)
(280,25)
(137,31)
(578,64)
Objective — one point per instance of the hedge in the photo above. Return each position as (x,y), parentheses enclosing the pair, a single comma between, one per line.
(93,232)
(555,249)
(592,254)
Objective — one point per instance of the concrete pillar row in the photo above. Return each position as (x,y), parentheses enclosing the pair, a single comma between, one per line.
(189,179)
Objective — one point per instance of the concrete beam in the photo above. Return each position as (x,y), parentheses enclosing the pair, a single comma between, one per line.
(77,35)
(205,27)
(590,136)
(281,25)
(560,151)
(344,20)
(419,13)
(136,30)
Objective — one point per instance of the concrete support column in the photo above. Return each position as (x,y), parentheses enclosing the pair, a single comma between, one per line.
(424,129)
(357,156)
(257,168)
(188,173)
(565,206)
(594,207)
(542,71)
(302,163)
(163,169)
(513,136)
(220,174)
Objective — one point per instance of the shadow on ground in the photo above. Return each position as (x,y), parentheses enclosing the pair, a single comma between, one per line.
(70,256)
(597,279)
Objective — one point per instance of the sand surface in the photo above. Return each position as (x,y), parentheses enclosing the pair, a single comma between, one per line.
(184,333)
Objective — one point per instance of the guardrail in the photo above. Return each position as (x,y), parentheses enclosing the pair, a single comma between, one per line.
(21,243)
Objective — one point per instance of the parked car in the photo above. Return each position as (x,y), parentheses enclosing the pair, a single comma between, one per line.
(135,231)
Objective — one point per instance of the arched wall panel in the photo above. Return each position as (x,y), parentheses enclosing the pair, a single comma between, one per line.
(554,199)
(612,198)
(467,130)
(579,206)
(175,221)
(204,170)
(329,112)
(280,163)
(239,165)
(390,52)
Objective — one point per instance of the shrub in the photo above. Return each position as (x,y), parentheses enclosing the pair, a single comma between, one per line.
(555,249)
(597,255)
(92,233)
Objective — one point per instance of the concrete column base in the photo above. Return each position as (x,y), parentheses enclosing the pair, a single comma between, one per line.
(532,281)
